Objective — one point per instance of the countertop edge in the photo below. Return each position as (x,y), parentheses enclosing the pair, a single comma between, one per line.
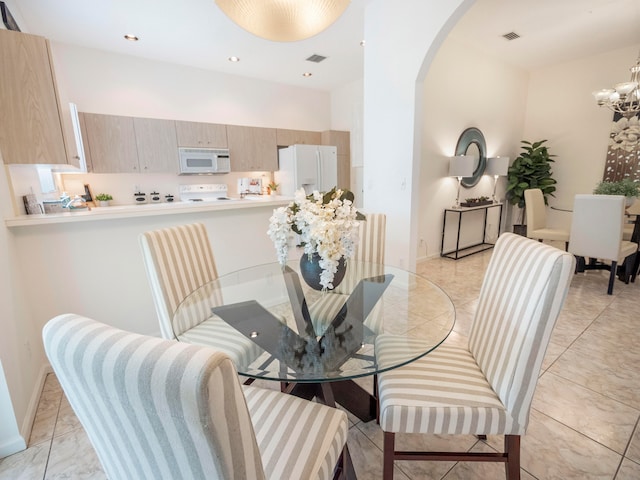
(147,210)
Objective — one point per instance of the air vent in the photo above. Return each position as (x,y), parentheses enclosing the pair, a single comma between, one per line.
(511,36)
(316,58)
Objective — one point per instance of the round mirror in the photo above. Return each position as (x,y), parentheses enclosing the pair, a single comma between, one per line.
(471,142)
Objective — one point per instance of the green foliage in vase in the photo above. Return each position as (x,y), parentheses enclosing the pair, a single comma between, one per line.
(626,187)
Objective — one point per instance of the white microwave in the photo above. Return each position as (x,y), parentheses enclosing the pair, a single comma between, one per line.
(204,161)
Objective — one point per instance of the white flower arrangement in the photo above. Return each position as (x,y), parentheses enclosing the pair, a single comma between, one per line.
(327,224)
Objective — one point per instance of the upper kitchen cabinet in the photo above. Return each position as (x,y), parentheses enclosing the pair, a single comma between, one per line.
(157,145)
(286,137)
(198,134)
(252,148)
(111,141)
(30,118)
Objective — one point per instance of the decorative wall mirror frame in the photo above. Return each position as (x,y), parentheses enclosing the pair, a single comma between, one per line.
(471,142)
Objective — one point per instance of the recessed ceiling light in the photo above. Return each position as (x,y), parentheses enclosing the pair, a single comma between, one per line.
(234,59)
(131,38)
(362,42)
(307,74)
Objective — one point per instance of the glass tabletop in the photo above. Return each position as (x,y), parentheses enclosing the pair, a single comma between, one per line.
(274,326)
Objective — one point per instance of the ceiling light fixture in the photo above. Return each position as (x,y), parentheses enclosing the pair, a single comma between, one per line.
(234,59)
(623,98)
(131,38)
(283,20)
(307,74)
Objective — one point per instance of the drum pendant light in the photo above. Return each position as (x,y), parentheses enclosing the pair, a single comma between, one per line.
(283,20)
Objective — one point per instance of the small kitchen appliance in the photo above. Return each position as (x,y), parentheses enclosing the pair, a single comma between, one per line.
(209,192)
(251,186)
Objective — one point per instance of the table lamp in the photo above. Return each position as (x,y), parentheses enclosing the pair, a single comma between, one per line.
(461,166)
(498,167)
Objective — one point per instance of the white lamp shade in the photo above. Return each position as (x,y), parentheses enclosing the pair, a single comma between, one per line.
(283,20)
(462,165)
(497,166)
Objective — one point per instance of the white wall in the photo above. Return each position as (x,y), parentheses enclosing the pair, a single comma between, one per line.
(402,39)
(101,82)
(561,109)
(465,88)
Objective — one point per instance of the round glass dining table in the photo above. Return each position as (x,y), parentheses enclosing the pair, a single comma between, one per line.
(275,327)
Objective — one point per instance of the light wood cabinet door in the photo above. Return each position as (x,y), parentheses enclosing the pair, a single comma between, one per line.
(157,145)
(286,137)
(112,143)
(30,120)
(252,149)
(199,134)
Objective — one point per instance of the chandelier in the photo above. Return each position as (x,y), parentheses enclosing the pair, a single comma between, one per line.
(283,20)
(623,98)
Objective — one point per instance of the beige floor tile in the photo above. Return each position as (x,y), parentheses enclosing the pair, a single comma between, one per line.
(72,456)
(46,416)
(367,459)
(633,451)
(628,470)
(600,418)
(29,464)
(551,450)
(67,420)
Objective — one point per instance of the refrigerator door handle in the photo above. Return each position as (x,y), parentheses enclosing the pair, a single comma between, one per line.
(320,184)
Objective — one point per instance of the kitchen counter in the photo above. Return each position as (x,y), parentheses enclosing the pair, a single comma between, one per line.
(146,210)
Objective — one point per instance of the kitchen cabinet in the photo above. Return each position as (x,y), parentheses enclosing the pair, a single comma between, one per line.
(111,141)
(30,116)
(252,148)
(157,145)
(285,137)
(341,140)
(199,134)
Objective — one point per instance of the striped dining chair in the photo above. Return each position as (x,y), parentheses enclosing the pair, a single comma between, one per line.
(153,409)
(487,387)
(368,261)
(178,261)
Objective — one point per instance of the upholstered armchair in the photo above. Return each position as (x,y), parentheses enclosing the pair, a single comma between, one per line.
(485,388)
(154,408)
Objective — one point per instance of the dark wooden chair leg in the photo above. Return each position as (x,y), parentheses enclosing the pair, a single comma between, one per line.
(612,277)
(388,453)
(512,449)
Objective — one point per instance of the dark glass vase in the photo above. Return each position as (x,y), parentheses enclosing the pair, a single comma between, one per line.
(311,270)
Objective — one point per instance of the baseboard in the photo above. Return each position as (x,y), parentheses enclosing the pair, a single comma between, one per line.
(14,445)
(32,409)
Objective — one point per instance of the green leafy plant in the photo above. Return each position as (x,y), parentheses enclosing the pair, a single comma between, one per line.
(532,169)
(626,187)
(103,197)
(273,186)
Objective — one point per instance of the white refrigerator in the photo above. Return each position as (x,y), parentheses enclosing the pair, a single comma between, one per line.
(312,167)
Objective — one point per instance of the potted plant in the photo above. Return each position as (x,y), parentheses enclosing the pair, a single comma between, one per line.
(532,169)
(104,199)
(327,225)
(273,188)
(627,187)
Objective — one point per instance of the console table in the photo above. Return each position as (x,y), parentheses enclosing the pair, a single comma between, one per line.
(470,249)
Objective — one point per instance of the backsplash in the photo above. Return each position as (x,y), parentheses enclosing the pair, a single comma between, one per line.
(121,186)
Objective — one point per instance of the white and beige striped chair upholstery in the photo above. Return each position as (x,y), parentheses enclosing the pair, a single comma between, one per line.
(486,388)
(596,234)
(536,210)
(179,260)
(154,408)
(367,262)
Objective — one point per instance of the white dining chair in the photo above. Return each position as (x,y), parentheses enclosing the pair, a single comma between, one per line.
(536,211)
(596,236)
(153,409)
(368,261)
(178,261)
(485,388)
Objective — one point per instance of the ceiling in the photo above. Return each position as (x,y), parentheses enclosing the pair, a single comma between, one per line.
(198,34)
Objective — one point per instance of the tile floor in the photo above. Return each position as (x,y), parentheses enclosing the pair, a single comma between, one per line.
(584,422)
